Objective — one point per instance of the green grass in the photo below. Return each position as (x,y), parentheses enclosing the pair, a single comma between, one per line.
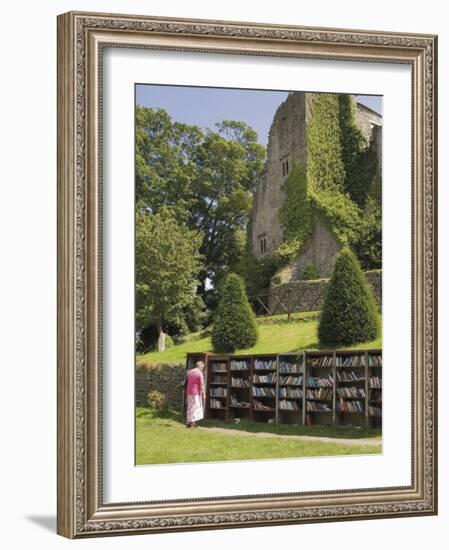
(275,336)
(165,440)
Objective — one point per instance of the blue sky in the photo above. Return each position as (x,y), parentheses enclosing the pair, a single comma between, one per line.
(206,106)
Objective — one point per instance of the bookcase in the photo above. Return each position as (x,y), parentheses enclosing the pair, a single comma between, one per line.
(334,388)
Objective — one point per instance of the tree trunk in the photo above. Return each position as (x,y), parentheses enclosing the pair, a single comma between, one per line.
(161,339)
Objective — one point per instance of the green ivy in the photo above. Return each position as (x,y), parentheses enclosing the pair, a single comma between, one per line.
(335,184)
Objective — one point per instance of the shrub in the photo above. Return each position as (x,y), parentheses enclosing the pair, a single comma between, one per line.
(157,400)
(349,313)
(310,272)
(234,324)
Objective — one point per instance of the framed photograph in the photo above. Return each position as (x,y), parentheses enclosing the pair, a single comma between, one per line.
(247,276)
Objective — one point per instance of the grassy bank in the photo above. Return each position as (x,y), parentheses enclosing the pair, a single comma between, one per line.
(165,440)
(275,335)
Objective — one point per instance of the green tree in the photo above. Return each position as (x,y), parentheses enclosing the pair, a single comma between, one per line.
(234,326)
(167,265)
(349,314)
(206,178)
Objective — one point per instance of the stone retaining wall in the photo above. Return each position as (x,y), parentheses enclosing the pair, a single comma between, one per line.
(309,295)
(166,378)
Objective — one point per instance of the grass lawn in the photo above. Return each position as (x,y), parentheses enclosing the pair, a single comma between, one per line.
(165,440)
(276,335)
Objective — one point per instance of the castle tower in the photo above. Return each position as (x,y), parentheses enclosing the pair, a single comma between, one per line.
(287,144)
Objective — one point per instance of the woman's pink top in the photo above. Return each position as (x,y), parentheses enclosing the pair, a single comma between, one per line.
(195,380)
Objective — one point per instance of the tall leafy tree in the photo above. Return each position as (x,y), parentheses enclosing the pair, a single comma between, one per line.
(206,178)
(167,266)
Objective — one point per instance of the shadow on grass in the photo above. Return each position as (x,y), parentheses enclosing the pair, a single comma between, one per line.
(348,432)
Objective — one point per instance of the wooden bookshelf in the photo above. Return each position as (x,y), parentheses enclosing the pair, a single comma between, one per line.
(334,388)
(291,387)
(264,388)
(320,388)
(351,388)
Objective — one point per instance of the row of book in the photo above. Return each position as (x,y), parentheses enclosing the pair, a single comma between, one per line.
(375,382)
(350,360)
(263,392)
(290,368)
(314,406)
(320,382)
(239,365)
(375,395)
(351,393)
(240,382)
(348,376)
(219,379)
(217,366)
(374,360)
(216,404)
(285,405)
(321,393)
(265,365)
(350,406)
(236,403)
(218,392)
(322,361)
(374,411)
(258,405)
(292,393)
(290,380)
(265,378)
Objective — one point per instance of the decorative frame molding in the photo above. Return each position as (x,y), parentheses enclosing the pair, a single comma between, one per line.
(81,38)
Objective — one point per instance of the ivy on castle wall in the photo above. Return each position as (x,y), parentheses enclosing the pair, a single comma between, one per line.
(335,184)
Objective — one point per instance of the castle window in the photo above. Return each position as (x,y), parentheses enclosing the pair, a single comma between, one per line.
(285,168)
(263,244)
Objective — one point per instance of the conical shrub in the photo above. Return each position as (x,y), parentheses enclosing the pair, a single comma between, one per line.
(234,325)
(349,314)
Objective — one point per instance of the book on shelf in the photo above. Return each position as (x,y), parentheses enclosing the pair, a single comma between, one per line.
(239,365)
(350,406)
(375,395)
(263,392)
(236,403)
(265,378)
(290,380)
(237,382)
(320,393)
(320,382)
(285,367)
(321,361)
(374,360)
(292,393)
(286,405)
(218,366)
(375,382)
(216,404)
(219,379)
(317,406)
(351,393)
(374,411)
(349,376)
(269,364)
(218,392)
(350,360)
(259,406)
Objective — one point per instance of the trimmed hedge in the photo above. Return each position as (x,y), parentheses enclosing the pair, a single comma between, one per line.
(234,324)
(349,314)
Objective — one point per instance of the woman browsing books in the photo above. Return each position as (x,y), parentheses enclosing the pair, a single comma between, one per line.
(195,394)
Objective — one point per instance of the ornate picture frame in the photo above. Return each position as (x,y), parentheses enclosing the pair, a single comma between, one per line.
(82,38)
